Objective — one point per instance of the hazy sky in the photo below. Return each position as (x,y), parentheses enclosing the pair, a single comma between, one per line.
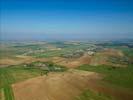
(70,19)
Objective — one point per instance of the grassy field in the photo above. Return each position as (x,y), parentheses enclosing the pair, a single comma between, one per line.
(65,49)
(113,76)
(126,50)
(9,76)
(120,77)
(48,54)
(91,95)
(12,75)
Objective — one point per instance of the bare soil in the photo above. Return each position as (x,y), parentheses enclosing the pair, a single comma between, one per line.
(19,60)
(98,59)
(72,63)
(65,86)
(55,86)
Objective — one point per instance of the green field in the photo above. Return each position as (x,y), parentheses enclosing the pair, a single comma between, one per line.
(120,77)
(13,74)
(91,95)
(113,76)
(67,49)
(126,50)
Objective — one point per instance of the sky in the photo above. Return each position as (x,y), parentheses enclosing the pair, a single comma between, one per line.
(66,19)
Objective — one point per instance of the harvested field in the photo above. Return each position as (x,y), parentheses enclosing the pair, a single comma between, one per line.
(72,63)
(64,86)
(98,59)
(101,58)
(19,60)
(55,86)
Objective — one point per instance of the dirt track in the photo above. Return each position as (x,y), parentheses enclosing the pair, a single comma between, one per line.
(64,86)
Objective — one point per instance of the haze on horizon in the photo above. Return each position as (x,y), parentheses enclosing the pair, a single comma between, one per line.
(66,19)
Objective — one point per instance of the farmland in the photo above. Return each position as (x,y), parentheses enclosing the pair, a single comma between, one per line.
(13,74)
(66,49)
(9,76)
(84,70)
(120,77)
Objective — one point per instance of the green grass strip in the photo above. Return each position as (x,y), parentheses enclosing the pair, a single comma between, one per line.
(8,93)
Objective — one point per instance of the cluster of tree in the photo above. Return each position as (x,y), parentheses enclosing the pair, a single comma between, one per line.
(119,60)
(47,66)
(75,54)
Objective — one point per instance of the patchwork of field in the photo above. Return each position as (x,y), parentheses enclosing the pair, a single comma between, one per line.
(17,73)
(20,60)
(54,86)
(11,75)
(67,86)
(100,58)
(66,71)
